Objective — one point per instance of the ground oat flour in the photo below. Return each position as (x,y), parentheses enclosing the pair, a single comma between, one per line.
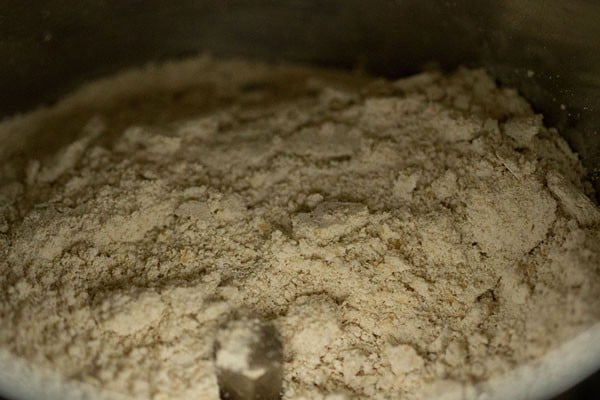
(403,236)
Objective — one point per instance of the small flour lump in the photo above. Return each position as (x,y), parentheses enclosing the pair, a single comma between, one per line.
(401,235)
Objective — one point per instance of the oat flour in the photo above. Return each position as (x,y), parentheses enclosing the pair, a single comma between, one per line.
(403,236)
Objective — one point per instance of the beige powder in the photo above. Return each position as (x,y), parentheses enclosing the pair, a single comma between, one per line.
(401,235)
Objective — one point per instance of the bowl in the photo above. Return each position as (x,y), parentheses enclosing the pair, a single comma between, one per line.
(547,50)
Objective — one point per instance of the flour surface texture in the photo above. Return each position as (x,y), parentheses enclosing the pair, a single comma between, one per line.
(405,237)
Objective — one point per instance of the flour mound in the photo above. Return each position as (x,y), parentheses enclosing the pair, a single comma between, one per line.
(428,232)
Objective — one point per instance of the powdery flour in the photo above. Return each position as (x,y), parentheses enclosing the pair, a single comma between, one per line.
(403,236)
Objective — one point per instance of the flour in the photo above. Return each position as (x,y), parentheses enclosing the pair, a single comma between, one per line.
(236,343)
(404,237)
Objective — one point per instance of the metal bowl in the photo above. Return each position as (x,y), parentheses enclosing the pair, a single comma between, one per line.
(549,50)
